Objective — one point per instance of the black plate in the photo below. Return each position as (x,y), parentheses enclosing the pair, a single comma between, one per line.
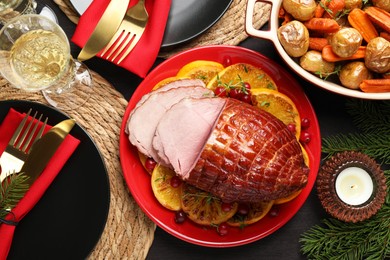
(69,219)
(188,19)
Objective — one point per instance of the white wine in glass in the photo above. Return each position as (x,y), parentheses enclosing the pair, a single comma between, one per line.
(12,8)
(35,56)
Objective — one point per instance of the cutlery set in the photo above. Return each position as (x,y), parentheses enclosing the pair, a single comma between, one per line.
(117,31)
(29,150)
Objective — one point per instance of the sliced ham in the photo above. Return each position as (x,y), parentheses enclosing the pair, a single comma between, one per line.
(144,118)
(181,141)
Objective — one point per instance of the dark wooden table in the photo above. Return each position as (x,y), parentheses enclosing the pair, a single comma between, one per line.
(282,244)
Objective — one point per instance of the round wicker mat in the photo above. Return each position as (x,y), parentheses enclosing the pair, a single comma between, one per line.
(229,30)
(129,232)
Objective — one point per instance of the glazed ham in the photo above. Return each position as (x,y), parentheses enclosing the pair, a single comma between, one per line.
(224,146)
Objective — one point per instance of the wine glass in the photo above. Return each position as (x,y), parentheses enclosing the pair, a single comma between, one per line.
(12,8)
(35,56)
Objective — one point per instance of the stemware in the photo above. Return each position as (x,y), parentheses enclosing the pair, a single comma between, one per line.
(12,8)
(35,56)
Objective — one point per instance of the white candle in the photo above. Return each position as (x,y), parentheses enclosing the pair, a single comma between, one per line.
(354,186)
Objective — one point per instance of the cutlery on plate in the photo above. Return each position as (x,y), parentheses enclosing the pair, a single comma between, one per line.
(16,152)
(44,148)
(105,29)
(129,33)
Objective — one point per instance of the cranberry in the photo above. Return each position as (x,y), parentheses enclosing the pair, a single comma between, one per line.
(150,164)
(246,98)
(235,93)
(226,207)
(305,137)
(223,229)
(180,217)
(274,212)
(305,123)
(220,91)
(227,61)
(247,85)
(243,209)
(175,182)
(292,128)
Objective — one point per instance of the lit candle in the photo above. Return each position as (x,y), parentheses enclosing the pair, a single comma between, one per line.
(354,186)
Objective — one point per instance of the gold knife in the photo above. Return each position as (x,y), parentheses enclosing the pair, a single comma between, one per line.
(44,148)
(105,29)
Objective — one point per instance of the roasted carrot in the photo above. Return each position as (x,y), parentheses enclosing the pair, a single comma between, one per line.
(334,8)
(320,9)
(375,85)
(361,22)
(325,25)
(330,56)
(379,17)
(317,43)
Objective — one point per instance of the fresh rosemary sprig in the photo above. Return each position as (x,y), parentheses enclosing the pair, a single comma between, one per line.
(369,239)
(11,191)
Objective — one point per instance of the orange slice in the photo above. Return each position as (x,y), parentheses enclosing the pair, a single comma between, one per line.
(256,212)
(203,208)
(168,196)
(200,69)
(279,105)
(235,75)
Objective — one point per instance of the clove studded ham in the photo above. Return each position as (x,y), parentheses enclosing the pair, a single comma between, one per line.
(231,149)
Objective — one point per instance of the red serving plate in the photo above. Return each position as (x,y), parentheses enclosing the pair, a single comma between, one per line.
(138,180)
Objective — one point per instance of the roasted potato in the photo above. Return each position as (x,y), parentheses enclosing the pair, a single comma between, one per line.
(312,61)
(346,41)
(377,56)
(383,4)
(353,73)
(301,10)
(352,4)
(294,38)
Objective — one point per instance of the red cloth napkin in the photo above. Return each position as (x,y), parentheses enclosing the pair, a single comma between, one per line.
(38,188)
(142,57)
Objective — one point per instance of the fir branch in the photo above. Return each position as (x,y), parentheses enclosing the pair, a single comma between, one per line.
(338,240)
(11,191)
(374,145)
(370,116)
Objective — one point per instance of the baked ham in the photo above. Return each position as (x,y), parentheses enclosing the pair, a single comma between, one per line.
(231,149)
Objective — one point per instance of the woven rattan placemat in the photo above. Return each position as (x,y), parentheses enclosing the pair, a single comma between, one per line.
(129,232)
(229,30)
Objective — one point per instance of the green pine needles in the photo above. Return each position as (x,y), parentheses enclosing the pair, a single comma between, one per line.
(11,191)
(369,239)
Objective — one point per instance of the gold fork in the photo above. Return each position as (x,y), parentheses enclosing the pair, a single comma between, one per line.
(128,34)
(16,152)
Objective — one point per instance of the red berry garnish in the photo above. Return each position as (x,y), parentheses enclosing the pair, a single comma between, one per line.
(305,122)
(243,209)
(227,61)
(246,98)
(223,229)
(150,163)
(220,92)
(292,128)
(247,85)
(235,93)
(274,212)
(180,217)
(305,137)
(175,182)
(226,207)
